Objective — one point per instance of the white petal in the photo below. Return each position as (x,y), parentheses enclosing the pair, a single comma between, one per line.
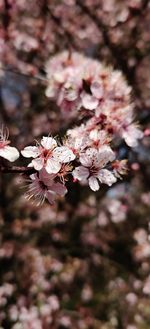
(48,143)
(105,176)
(131,135)
(93,183)
(30,152)
(80,173)
(38,163)
(88,157)
(105,155)
(97,89)
(10,153)
(52,166)
(51,91)
(89,102)
(64,154)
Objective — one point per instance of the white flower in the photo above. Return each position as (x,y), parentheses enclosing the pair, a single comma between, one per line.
(48,155)
(91,169)
(89,102)
(131,135)
(7,152)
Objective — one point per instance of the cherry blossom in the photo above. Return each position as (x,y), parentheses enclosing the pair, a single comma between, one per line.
(91,169)
(48,155)
(131,135)
(7,152)
(43,186)
(79,83)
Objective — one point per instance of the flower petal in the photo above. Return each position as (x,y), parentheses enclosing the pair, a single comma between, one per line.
(89,102)
(50,197)
(97,89)
(131,135)
(38,163)
(52,166)
(48,143)
(93,183)
(105,176)
(10,153)
(105,155)
(30,152)
(59,188)
(64,154)
(80,173)
(88,157)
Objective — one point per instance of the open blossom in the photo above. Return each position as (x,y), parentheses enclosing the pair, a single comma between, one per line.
(131,135)
(43,186)
(7,152)
(48,155)
(91,169)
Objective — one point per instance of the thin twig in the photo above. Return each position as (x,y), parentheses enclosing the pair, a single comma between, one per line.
(37,77)
(17,169)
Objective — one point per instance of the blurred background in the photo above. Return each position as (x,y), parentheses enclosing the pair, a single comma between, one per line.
(83,263)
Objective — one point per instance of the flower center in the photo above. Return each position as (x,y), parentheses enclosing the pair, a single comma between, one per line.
(3,143)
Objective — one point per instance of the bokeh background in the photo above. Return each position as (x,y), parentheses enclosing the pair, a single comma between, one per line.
(83,263)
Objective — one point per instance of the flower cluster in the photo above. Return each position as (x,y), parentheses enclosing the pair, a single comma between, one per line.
(78,83)
(102,97)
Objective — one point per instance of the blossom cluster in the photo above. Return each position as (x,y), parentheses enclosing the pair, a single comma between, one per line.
(101,98)
(78,83)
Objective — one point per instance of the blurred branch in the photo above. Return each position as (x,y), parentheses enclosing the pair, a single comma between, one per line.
(119,55)
(6,17)
(115,51)
(17,169)
(26,75)
(58,23)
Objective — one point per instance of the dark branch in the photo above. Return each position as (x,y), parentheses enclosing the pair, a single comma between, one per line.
(17,169)
(58,23)
(115,51)
(26,75)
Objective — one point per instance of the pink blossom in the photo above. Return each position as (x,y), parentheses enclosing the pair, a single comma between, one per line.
(7,152)
(91,169)
(43,186)
(48,155)
(89,102)
(131,135)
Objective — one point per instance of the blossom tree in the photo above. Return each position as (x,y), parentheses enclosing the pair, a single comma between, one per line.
(74,174)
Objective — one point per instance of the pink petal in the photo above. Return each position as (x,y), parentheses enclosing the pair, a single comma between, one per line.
(51,197)
(59,188)
(80,173)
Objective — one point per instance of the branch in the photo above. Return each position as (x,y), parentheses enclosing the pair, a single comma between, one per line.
(17,169)
(115,51)
(26,75)
(58,23)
